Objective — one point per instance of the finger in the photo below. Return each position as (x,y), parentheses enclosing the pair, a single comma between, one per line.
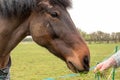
(98,67)
(102,69)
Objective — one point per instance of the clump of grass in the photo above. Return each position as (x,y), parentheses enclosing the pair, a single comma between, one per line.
(99,75)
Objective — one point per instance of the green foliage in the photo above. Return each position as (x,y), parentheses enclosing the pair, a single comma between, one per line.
(100,37)
(32,62)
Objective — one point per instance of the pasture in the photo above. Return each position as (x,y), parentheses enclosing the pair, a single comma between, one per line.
(32,62)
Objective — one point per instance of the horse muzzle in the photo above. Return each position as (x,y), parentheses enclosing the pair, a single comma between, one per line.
(80,67)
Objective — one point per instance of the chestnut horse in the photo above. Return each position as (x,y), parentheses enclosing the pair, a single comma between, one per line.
(49,24)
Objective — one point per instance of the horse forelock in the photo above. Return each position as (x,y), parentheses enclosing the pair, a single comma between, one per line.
(61,3)
(16,7)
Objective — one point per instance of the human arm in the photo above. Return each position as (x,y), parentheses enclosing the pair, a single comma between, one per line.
(114,60)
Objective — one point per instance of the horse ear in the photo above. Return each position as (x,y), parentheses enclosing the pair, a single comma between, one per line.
(44,5)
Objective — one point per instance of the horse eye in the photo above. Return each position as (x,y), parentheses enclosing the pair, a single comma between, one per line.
(54,14)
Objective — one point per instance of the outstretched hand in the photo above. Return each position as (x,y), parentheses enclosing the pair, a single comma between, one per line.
(105,65)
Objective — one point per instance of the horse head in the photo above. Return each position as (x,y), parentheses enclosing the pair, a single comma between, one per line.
(52,27)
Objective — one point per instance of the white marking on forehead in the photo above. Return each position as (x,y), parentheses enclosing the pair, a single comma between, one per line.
(48,25)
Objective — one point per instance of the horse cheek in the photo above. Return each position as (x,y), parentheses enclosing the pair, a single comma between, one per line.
(39,34)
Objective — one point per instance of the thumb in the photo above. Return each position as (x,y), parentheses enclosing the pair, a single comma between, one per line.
(98,67)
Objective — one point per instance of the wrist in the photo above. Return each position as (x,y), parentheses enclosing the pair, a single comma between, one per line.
(112,62)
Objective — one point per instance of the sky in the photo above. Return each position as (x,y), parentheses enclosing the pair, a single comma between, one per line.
(96,15)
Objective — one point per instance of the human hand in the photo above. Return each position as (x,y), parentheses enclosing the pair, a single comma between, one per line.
(105,65)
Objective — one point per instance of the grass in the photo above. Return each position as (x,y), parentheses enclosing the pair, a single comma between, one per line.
(32,62)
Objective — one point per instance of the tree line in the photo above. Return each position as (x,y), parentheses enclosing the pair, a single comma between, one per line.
(101,37)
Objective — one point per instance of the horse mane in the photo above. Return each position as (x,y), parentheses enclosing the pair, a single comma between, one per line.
(22,8)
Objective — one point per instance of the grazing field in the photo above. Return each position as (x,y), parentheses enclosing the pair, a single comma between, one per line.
(32,62)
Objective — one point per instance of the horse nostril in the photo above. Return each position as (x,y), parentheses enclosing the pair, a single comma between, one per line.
(86,60)
(86,63)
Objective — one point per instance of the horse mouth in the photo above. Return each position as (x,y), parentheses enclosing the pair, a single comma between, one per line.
(74,69)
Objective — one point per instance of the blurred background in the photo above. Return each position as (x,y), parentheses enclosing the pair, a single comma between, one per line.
(96,15)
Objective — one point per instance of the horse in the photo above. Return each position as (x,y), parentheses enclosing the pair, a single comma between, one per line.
(49,24)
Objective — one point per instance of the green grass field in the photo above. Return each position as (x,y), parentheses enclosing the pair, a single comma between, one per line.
(32,62)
